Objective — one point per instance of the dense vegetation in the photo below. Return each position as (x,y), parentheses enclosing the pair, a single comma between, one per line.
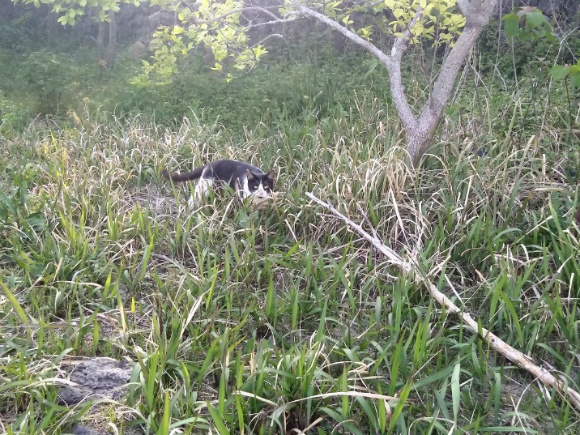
(242,321)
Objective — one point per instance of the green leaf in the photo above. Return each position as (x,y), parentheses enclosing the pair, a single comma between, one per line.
(452,110)
(218,420)
(433,377)
(373,66)
(455,390)
(524,36)
(15,304)
(550,36)
(166,420)
(511,25)
(534,19)
(558,72)
(404,393)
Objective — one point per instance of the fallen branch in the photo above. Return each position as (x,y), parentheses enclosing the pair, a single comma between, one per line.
(489,337)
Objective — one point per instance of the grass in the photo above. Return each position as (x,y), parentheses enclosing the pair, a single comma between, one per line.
(241,321)
(246,321)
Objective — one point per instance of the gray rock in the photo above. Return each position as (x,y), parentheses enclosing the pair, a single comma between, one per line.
(85,430)
(137,50)
(97,378)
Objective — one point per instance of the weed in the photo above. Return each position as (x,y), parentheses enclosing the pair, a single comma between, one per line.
(246,321)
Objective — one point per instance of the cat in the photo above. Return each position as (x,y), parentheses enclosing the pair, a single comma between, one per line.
(246,180)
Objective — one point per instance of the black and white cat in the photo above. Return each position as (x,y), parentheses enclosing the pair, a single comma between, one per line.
(246,180)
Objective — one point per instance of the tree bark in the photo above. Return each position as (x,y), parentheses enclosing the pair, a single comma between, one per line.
(477,16)
(112,46)
(101,41)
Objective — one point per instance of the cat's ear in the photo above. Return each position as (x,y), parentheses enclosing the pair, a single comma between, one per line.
(271,176)
(249,175)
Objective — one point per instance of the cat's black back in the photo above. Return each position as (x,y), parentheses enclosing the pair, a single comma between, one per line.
(240,176)
(229,171)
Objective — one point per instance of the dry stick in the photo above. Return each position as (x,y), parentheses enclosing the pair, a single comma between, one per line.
(489,337)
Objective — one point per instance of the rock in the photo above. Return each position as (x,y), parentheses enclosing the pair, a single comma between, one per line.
(137,50)
(97,378)
(85,430)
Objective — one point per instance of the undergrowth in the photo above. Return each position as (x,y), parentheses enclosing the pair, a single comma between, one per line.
(284,320)
(240,321)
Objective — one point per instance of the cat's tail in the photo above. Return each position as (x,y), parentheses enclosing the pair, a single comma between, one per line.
(186,176)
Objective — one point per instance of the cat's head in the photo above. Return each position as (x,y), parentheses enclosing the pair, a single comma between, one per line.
(260,185)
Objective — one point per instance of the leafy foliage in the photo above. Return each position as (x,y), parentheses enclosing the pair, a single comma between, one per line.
(70,11)
(212,24)
(572,72)
(222,28)
(13,116)
(47,75)
(438,19)
(528,24)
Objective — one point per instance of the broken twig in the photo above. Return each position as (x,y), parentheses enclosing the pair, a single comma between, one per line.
(493,341)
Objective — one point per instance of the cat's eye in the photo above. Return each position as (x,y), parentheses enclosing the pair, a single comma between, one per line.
(255,188)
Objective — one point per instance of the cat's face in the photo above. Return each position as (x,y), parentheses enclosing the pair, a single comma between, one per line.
(260,186)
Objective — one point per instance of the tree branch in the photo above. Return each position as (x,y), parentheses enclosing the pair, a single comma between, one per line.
(273,35)
(402,42)
(275,18)
(367,45)
(397,89)
(267,23)
(492,340)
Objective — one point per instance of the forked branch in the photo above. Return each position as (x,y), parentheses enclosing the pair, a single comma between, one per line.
(493,341)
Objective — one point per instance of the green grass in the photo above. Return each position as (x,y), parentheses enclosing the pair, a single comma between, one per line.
(241,321)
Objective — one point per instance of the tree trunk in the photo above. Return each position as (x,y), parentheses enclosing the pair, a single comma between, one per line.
(102,63)
(112,47)
(420,137)
(101,42)
(420,130)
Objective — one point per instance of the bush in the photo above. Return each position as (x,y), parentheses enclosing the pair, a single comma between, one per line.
(13,116)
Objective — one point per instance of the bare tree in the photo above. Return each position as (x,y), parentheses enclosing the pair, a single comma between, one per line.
(420,129)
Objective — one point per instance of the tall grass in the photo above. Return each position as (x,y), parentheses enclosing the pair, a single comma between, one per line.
(241,321)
